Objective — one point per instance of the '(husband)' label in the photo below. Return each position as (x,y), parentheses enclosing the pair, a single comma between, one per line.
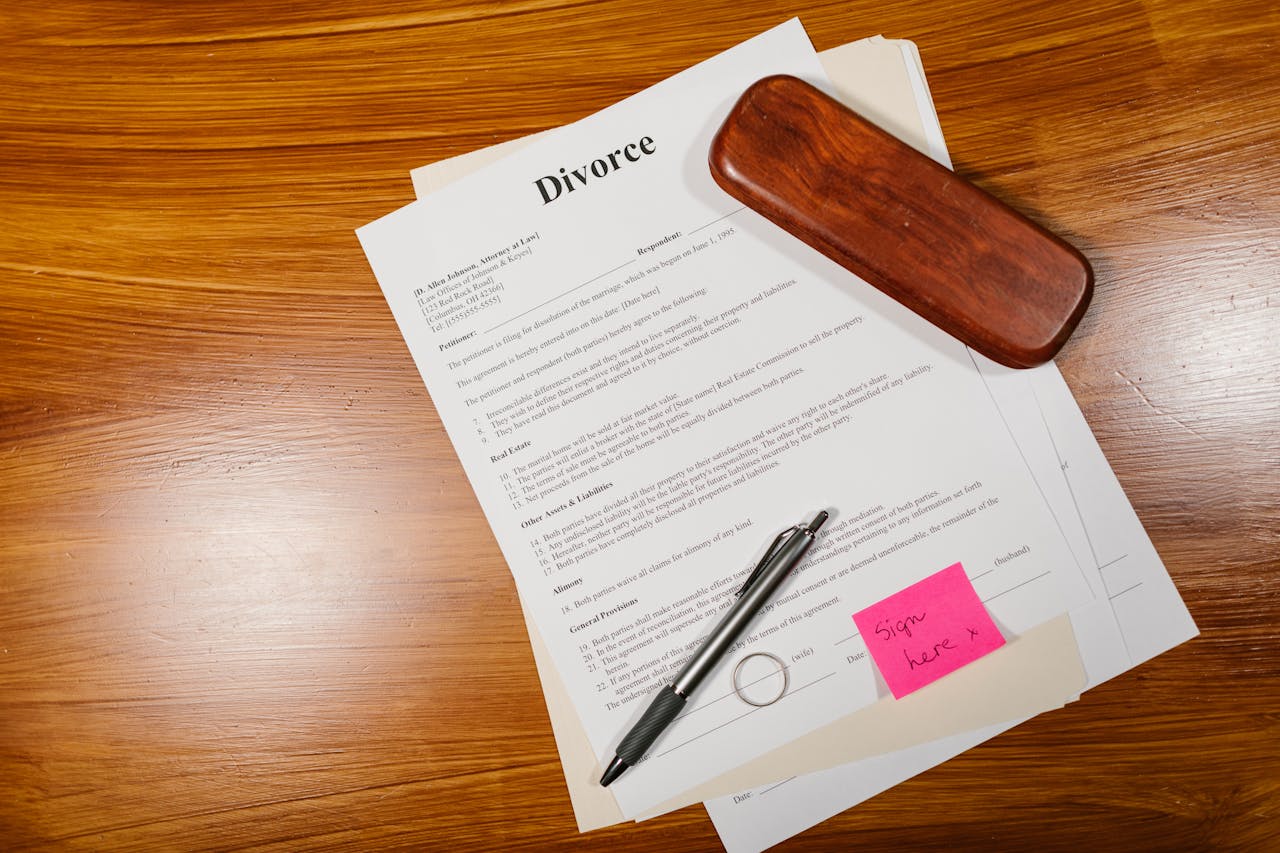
(927,630)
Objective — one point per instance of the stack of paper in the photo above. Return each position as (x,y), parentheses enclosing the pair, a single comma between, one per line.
(645,382)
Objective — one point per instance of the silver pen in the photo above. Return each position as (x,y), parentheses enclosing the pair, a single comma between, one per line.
(778,561)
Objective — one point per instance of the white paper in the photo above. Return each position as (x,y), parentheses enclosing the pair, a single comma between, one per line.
(1136,615)
(645,382)
(875,77)
(1139,617)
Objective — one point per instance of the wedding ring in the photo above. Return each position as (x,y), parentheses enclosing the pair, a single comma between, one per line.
(737,673)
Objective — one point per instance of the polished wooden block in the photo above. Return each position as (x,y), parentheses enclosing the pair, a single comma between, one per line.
(954,254)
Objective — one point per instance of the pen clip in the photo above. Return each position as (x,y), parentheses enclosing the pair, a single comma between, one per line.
(765,560)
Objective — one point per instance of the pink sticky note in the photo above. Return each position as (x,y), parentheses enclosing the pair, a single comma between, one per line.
(927,630)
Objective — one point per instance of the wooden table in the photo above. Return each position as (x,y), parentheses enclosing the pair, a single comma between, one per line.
(247,597)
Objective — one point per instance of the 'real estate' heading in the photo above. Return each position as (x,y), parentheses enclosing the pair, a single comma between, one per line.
(551,187)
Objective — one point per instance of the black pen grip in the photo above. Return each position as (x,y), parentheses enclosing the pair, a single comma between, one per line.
(664,708)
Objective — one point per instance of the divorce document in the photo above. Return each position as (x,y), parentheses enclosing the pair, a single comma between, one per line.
(646,382)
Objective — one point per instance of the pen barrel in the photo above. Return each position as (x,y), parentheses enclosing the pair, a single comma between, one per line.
(661,711)
(743,611)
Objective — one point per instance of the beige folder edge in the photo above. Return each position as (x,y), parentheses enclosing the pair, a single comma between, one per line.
(1037,672)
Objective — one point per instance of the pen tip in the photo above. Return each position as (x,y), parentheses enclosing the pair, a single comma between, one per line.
(818,521)
(613,771)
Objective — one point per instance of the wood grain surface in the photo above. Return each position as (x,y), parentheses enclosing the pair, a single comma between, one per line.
(247,597)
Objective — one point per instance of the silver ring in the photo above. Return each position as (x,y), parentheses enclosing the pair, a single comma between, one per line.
(782,667)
